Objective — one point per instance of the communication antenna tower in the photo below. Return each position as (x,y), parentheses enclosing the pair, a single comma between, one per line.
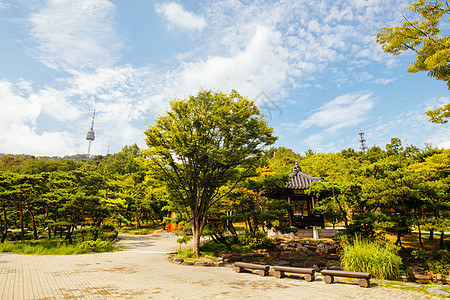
(363,142)
(90,136)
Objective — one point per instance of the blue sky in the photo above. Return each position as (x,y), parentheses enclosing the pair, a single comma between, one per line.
(312,66)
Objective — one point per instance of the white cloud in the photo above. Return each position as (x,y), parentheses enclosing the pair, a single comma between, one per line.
(252,46)
(384,80)
(260,66)
(18,122)
(343,111)
(179,17)
(4,5)
(76,35)
(412,127)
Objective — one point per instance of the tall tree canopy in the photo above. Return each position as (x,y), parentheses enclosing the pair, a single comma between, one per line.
(423,36)
(203,143)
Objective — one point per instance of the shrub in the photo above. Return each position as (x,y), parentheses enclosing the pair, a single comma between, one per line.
(439,263)
(420,254)
(380,260)
(259,241)
(185,253)
(95,246)
(286,229)
(108,227)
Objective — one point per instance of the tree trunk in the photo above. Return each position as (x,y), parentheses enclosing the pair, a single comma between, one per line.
(197,224)
(441,241)
(431,235)
(420,236)
(196,232)
(33,223)
(5,224)
(21,220)
(399,238)
(69,234)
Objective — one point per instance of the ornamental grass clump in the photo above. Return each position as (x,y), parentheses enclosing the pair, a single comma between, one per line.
(380,260)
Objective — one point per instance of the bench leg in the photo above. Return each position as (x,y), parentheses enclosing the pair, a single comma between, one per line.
(263,272)
(364,282)
(328,279)
(279,274)
(238,269)
(309,277)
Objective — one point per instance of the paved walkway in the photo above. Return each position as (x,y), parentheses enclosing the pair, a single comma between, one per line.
(143,272)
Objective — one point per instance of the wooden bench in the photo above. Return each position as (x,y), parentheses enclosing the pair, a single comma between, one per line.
(330,274)
(262,270)
(308,274)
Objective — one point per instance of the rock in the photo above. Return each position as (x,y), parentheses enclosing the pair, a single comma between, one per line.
(438,292)
(332,256)
(188,263)
(311,248)
(281,263)
(448,279)
(321,251)
(339,268)
(219,264)
(299,256)
(202,264)
(299,248)
(311,263)
(331,249)
(177,260)
(422,278)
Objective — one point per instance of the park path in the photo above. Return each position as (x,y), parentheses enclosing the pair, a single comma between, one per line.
(142,271)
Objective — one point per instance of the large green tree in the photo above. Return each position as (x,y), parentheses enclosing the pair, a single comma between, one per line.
(422,35)
(202,143)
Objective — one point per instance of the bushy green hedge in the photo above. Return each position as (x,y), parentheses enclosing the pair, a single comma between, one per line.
(380,260)
(95,246)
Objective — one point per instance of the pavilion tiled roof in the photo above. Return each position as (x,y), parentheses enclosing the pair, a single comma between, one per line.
(300,180)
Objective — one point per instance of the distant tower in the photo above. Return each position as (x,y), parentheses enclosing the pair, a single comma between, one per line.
(363,142)
(90,136)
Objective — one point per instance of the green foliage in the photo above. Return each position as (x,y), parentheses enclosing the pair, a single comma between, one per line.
(184,238)
(420,254)
(439,262)
(185,253)
(188,254)
(286,229)
(95,246)
(422,35)
(56,247)
(236,247)
(258,241)
(201,144)
(380,260)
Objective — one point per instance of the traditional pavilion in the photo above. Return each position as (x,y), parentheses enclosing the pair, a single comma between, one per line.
(294,192)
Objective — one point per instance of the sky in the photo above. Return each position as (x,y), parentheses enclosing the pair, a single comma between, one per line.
(312,66)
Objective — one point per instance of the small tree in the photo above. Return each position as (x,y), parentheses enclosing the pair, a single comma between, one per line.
(422,36)
(202,143)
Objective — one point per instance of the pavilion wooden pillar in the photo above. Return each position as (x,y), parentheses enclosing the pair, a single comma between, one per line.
(290,214)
